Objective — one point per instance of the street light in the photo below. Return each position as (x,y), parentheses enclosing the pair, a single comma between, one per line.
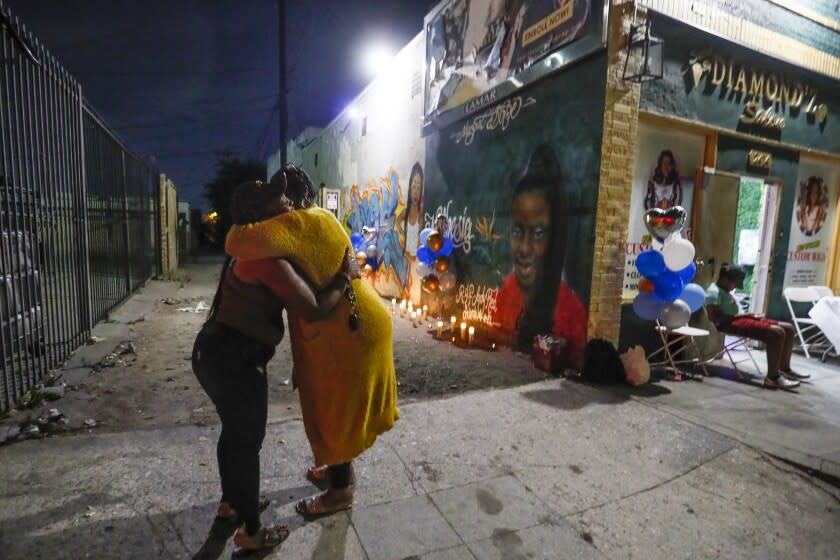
(375,59)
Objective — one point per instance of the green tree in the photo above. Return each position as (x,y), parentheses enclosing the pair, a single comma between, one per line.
(230,171)
(749,217)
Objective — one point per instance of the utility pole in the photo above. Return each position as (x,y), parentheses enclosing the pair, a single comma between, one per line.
(282,106)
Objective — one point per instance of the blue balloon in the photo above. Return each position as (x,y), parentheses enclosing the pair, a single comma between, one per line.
(688,273)
(425,255)
(650,263)
(648,306)
(424,235)
(694,296)
(446,250)
(358,241)
(668,285)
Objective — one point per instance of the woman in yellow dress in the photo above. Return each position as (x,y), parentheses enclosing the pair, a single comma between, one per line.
(344,365)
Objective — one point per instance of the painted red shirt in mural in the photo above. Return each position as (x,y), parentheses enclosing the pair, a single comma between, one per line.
(569,315)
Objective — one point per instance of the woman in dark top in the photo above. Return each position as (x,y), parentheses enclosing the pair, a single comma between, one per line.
(232,350)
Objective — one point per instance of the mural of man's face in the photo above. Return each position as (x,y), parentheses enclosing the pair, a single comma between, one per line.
(529,236)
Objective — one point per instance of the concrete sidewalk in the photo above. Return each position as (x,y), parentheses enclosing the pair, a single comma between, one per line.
(549,470)
(801,427)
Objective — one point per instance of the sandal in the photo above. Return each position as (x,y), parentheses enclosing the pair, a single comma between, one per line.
(226,513)
(320,477)
(265,538)
(314,508)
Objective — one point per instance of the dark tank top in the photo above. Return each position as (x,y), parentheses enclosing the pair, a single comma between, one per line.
(251,309)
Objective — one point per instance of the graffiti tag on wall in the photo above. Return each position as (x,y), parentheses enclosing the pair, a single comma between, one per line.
(499,116)
(375,207)
(458,227)
(479,303)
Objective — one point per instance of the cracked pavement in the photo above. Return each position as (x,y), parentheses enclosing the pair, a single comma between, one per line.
(549,470)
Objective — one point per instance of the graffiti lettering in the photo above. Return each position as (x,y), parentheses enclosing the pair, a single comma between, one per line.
(499,116)
(479,303)
(458,228)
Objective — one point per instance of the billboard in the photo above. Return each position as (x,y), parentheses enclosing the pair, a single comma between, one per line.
(479,51)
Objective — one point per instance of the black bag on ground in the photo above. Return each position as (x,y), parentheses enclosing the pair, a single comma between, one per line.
(602,363)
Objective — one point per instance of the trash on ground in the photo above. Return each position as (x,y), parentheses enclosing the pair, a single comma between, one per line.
(90,423)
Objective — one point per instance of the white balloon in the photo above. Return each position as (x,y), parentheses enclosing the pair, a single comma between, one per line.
(447,281)
(425,235)
(424,270)
(678,254)
(675,314)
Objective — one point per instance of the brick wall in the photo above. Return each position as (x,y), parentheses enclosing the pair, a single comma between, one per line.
(621,117)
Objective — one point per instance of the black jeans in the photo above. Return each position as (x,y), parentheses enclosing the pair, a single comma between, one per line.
(231,369)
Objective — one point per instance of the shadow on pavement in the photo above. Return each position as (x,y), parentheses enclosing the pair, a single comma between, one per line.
(106,526)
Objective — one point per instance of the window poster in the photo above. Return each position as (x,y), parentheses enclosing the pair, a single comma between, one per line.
(811,223)
(663,177)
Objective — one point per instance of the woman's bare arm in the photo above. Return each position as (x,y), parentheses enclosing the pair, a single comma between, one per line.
(296,294)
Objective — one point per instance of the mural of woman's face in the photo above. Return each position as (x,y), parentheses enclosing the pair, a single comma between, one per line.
(529,236)
(415,189)
(667,165)
(813,194)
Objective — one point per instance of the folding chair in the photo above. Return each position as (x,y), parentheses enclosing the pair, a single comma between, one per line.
(672,358)
(822,291)
(807,331)
(718,347)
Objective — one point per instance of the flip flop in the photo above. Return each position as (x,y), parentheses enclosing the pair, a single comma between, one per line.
(266,538)
(313,508)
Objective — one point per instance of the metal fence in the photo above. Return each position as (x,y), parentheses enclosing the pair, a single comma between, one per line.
(78,214)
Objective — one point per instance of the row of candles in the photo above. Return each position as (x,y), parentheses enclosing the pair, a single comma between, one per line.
(417,316)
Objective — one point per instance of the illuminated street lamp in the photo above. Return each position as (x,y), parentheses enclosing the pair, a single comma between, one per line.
(375,59)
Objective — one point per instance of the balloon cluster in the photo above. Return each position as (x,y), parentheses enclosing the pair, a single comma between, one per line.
(366,253)
(665,291)
(434,256)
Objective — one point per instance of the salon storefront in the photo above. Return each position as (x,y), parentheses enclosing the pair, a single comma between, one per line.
(749,145)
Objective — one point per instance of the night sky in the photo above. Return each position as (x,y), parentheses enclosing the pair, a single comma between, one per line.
(184,80)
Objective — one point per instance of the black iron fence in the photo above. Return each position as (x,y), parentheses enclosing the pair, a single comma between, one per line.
(78,214)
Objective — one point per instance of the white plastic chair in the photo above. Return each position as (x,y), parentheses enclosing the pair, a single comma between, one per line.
(822,291)
(807,331)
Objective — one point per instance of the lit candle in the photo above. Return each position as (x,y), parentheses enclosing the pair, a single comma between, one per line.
(440,329)
(402,308)
(472,334)
(452,324)
(410,306)
(425,311)
(494,346)
(414,318)
(463,331)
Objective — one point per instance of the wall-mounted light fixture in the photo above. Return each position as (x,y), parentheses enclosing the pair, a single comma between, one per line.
(644,60)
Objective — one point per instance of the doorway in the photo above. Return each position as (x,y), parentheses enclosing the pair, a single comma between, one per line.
(735,221)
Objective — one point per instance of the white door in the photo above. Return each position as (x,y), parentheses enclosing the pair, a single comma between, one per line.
(767,234)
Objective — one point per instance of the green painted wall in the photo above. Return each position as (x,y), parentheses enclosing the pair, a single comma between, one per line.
(473,168)
(679,95)
(779,19)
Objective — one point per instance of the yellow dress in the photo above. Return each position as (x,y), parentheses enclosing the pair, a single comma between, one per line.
(346,379)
